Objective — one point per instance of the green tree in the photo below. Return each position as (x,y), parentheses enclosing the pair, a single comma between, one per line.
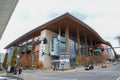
(13,58)
(5,60)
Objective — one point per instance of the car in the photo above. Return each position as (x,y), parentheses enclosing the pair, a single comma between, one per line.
(103,66)
(115,63)
(10,78)
(89,67)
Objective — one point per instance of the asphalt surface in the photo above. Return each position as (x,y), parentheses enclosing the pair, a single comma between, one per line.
(112,72)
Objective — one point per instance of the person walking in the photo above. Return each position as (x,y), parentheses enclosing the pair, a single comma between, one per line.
(53,67)
(20,70)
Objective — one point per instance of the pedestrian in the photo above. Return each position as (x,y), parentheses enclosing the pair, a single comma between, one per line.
(20,70)
(17,70)
(15,66)
(53,67)
(62,66)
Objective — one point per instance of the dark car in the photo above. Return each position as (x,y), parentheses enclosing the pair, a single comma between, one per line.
(89,67)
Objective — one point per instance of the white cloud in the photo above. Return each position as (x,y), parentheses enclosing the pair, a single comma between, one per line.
(106,26)
(101,15)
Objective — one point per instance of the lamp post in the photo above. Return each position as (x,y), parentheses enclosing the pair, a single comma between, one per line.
(18,56)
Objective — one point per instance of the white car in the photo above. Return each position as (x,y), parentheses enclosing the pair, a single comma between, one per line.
(115,63)
(10,78)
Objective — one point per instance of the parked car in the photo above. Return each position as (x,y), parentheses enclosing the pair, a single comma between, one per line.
(10,78)
(115,63)
(89,67)
(103,66)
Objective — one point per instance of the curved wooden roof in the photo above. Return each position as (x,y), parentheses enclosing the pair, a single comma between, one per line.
(61,22)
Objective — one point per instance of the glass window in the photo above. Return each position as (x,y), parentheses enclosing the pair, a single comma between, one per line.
(52,46)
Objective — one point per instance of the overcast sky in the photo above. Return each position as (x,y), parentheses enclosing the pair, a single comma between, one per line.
(101,15)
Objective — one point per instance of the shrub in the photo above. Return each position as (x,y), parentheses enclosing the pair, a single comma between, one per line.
(5,60)
(13,59)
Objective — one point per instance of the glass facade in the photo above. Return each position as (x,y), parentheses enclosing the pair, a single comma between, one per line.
(62,45)
(54,47)
(58,47)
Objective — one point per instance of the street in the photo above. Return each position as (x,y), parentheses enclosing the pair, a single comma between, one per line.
(112,72)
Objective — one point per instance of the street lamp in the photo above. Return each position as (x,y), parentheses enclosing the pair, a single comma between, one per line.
(18,56)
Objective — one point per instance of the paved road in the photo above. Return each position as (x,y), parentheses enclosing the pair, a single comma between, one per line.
(112,72)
